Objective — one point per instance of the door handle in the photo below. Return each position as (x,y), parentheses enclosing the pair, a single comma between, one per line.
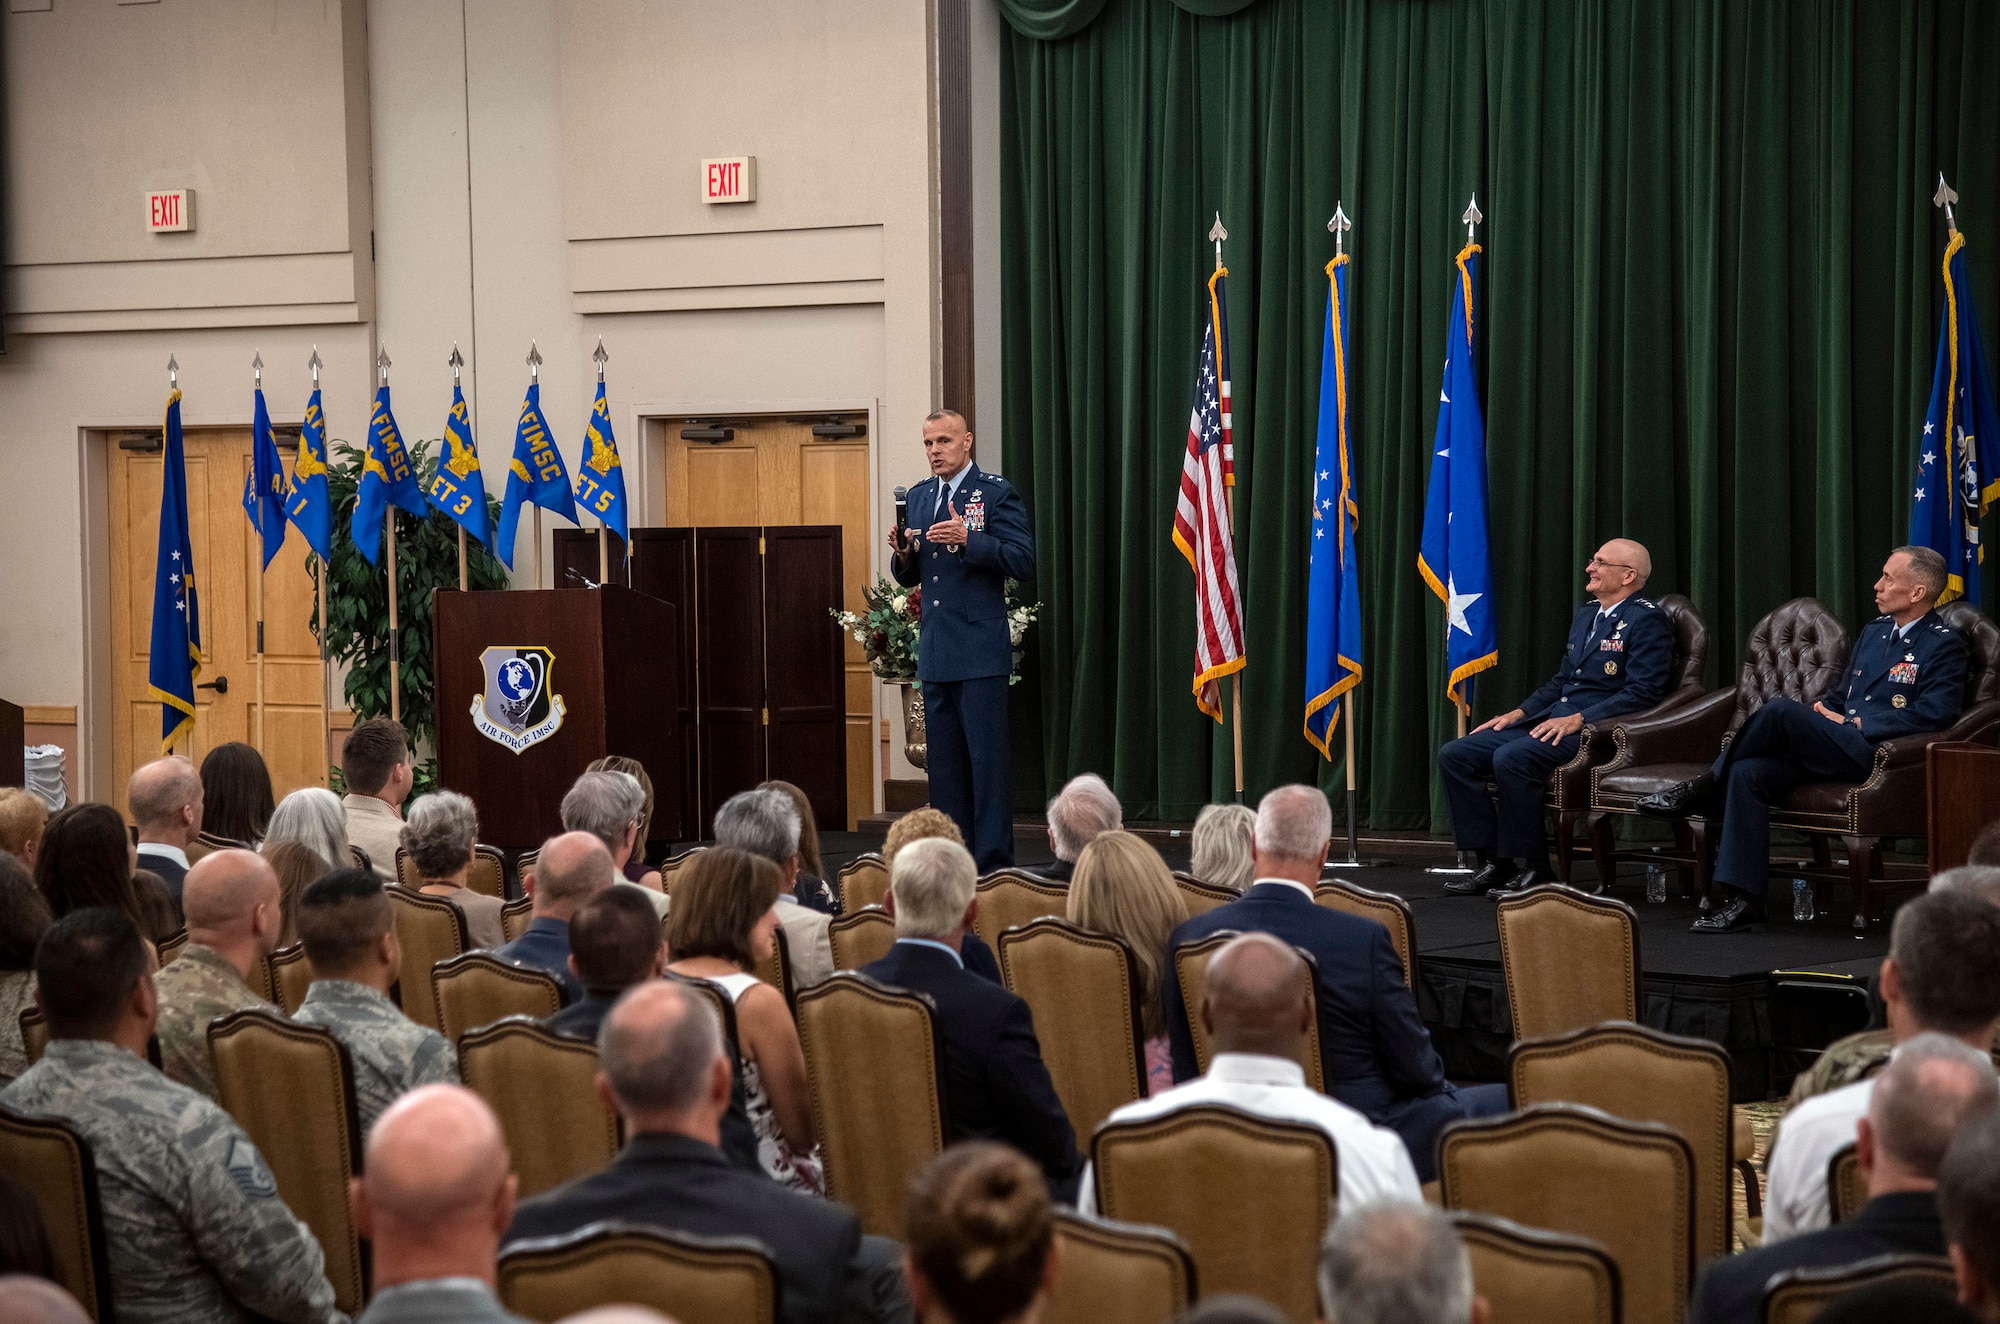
(220,685)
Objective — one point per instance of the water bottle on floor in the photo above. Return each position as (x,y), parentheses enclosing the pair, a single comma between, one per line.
(1656,884)
(1802,901)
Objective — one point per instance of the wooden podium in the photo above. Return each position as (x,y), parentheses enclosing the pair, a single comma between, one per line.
(610,675)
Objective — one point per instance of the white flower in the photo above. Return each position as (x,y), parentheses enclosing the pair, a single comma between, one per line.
(901,602)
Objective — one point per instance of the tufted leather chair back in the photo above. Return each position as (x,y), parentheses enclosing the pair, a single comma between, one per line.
(1690,640)
(1797,651)
(1982,642)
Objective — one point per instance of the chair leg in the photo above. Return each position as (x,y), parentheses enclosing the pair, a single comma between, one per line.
(1598,826)
(1864,856)
(1704,860)
(1822,857)
(1753,1199)
(1565,843)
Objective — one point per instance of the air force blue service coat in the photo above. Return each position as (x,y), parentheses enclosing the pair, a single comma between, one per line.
(1611,669)
(1898,687)
(965,591)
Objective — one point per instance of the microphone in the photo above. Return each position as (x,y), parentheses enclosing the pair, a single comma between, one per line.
(902,495)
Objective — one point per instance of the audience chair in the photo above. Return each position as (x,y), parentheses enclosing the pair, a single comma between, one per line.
(487,876)
(291,1088)
(1570,960)
(524,864)
(877,1127)
(515,917)
(1119,1273)
(207,843)
(1846,1188)
(863,881)
(170,947)
(670,868)
(34,1033)
(289,975)
(1009,898)
(1628,1185)
(46,1155)
(776,970)
(1200,897)
(543,1088)
(723,1004)
(360,857)
(1251,1197)
(478,988)
(1527,1274)
(430,929)
(1797,1296)
(682,1276)
(1391,912)
(1083,991)
(861,936)
(1191,963)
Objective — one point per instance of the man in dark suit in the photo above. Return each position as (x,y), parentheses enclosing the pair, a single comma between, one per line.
(569,870)
(1905,675)
(663,1070)
(165,798)
(1968,1199)
(967,536)
(1377,1053)
(1934,1086)
(1620,651)
(995,1083)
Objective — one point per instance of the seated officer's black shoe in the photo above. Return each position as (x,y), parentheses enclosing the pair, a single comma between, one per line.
(1679,801)
(1522,880)
(1737,913)
(1488,876)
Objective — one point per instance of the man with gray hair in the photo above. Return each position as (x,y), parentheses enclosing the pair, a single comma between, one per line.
(1377,1054)
(165,799)
(1396,1262)
(569,870)
(1968,1199)
(766,822)
(1081,811)
(995,1082)
(611,806)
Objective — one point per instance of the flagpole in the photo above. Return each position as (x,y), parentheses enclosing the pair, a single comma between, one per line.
(257,374)
(1471,218)
(603,538)
(389,536)
(1218,234)
(535,375)
(325,671)
(457,361)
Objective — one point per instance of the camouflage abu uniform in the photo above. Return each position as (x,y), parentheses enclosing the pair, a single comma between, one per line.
(1857,1057)
(391,1053)
(193,1226)
(195,988)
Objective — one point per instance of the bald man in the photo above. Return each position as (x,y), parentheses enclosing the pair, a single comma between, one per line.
(1621,649)
(435,1197)
(165,799)
(231,901)
(569,870)
(25,1299)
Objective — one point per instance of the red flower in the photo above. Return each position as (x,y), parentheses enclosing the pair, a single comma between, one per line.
(879,643)
(917,603)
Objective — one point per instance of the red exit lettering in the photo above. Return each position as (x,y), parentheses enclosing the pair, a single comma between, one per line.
(729,179)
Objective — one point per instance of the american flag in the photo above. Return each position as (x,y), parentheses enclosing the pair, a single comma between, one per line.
(1201,518)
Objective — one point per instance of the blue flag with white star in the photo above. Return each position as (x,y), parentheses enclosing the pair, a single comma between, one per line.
(1955,484)
(1453,557)
(458,488)
(175,658)
(387,478)
(308,504)
(535,474)
(600,479)
(264,485)
(1333,578)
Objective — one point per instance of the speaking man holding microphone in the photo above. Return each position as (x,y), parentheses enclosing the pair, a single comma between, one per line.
(960,535)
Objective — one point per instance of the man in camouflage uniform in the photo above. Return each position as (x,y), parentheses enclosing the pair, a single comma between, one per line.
(193,1227)
(231,902)
(350,938)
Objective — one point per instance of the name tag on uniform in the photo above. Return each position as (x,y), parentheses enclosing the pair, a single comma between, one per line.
(1903,673)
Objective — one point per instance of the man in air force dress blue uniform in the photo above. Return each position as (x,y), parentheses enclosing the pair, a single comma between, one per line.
(967,536)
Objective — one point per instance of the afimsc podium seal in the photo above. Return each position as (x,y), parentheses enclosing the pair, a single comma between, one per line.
(518,708)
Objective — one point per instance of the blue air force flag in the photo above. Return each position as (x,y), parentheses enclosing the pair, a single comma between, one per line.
(1955,484)
(387,477)
(1333,579)
(600,479)
(1453,556)
(264,485)
(176,648)
(307,502)
(535,474)
(458,488)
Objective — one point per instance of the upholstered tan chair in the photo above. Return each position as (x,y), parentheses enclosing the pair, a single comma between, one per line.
(1191,963)
(1627,1185)
(878,1127)
(1529,1276)
(1391,912)
(171,945)
(1643,1075)
(1797,1296)
(515,917)
(614,1263)
(1570,960)
(863,881)
(776,969)
(1846,1188)
(46,1155)
(478,988)
(291,1088)
(670,869)
(1119,1273)
(487,876)
(718,999)
(290,975)
(1200,897)
(34,1033)
(1083,990)
(860,937)
(543,1088)
(429,929)
(1251,1197)
(1009,898)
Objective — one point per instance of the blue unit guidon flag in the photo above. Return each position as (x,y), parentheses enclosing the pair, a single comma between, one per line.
(1201,516)
(1955,484)
(458,488)
(600,479)
(308,504)
(175,658)
(387,478)
(264,485)
(1333,579)
(535,475)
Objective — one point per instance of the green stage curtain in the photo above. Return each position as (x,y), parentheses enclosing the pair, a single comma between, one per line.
(1706,317)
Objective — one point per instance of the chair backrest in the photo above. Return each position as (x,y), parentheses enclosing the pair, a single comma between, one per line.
(1570,960)
(1119,1273)
(1191,964)
(290,975)
(1391,912)
(171,945)
(1200,897)
(879,1127)
(1251,1197)
(670,869)
(1846,1188)
(1009,898)
(429,929)
(1643,1075)
(776,969)
(860,936)
(515,917)
(478,988)
(1797,1296)
(34,1033)
(615,1263)
(488,874)
(718,998)
(1690,640)
(1627,1185)
(1798,650)
(359,856)
(862,881)
(1528,1274)
(543,1088)
(407,873)
(1982,645)
(1083,990)
(50,1158)
(291,1088)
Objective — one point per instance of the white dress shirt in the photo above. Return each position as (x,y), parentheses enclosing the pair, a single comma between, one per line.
(1302,889)
(1373,1163)
(173,854)
(1795,1198)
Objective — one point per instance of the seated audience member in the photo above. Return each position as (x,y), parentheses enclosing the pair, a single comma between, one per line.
(376,767)
(765,823)
(1985,848)
(918,825)
(298,867)
(663,1070)
(87,860)
(569,870)
(981,1238)
(350,938)
(1255,1011)
(810,886)
(1377,1052)
(312,816)
(1222,846)
(1900,1300)
(24,917)
(166,803)
(23,816)
(231,898)
(1942,974)
(1968,1199)
(1081,810)
(611,806)
(26,1299)
(438,836)
(196,1228)
(1397,1262)
(614,943)
(1122,887)
(1934,1086)
(236,799)
(995,1084)
(634,869)
(1233,1308)
(434,1197)
(724,924)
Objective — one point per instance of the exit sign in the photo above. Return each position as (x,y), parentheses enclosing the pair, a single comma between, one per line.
(729,179)
(169,209)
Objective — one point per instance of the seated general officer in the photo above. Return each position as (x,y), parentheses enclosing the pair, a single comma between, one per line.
(1905,675)
(1621,648)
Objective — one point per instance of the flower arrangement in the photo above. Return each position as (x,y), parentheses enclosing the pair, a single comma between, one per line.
(891,628)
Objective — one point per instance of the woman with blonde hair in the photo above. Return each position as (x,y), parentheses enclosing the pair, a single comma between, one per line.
(1222,846)
(312,816)
(1122,887)
(981,1238)
(298,867)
